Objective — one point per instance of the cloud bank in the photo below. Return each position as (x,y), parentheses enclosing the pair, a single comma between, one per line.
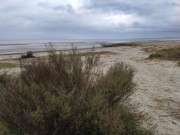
(90,19)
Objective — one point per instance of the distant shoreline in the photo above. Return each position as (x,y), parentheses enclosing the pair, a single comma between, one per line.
(7,48)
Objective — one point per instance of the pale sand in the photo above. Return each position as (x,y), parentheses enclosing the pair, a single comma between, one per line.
(158,88)
(158,85)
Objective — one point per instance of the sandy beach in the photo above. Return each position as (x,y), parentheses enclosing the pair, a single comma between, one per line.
(157,94)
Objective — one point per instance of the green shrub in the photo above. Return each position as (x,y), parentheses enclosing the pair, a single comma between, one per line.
(68,95)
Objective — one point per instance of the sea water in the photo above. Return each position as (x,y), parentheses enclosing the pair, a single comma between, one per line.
(22,46)
(16,47)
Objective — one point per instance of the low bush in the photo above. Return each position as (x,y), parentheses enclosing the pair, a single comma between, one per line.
(28,55)
(69,95)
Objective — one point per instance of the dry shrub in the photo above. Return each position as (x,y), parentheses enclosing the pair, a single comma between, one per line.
(68,95)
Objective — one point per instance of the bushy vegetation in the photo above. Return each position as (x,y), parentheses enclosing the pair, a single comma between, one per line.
(8,65)
(132,44)
(69,95)
(29,54)
(4,79)
(168,54)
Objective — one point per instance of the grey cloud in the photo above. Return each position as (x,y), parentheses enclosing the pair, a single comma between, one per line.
(67,8)
(47,5)
(155,13)
(59,8)
(43,4)
(45,19)
(175,4)
(141,8)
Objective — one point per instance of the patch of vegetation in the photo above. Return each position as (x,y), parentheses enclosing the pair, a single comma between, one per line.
(133,44)
(28,55)
(69,96)
(8,65)
(4,80)
(168,54)
(178,63)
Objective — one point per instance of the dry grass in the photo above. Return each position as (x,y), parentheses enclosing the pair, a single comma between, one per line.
(86,54)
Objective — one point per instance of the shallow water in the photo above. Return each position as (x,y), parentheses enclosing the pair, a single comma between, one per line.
(13,47)
(22,46)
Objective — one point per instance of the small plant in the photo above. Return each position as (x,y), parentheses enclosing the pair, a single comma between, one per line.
(28,54)
(69,95)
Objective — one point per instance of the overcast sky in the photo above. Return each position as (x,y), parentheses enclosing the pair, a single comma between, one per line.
(88,19)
